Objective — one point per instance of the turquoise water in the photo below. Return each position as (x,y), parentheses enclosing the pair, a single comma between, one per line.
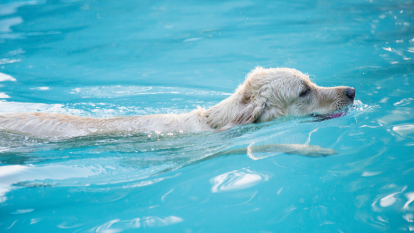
(112,58)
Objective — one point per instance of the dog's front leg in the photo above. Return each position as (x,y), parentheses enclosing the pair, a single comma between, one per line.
(260,152)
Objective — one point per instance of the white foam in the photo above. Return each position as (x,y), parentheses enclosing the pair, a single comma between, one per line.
(6,77)
(41,88)
(3,96)
(31,107)
(8,61)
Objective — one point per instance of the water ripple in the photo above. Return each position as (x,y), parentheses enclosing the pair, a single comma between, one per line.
(119,91)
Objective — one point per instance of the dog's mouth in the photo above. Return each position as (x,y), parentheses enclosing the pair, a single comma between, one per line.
(339,113)
(329,115)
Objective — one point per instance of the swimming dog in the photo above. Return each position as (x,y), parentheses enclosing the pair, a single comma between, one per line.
(266,94)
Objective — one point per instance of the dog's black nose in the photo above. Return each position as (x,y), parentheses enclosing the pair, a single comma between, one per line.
(350,93)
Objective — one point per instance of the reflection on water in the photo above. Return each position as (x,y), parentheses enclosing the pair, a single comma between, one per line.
(235,180)
(404,129)
(118,225)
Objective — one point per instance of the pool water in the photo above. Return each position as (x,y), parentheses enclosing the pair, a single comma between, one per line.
(116,58)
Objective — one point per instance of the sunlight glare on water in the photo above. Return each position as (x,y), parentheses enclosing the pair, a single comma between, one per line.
(125,58)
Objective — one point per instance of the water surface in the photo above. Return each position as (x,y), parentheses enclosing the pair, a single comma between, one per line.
(115,58)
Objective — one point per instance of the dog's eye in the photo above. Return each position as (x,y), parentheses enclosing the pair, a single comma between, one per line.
(304,92)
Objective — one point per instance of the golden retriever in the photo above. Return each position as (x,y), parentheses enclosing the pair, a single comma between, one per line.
(266,94)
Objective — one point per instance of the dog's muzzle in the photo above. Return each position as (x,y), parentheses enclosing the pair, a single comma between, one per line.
(350,93)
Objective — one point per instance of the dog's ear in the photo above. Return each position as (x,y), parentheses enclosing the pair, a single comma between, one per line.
(249,114)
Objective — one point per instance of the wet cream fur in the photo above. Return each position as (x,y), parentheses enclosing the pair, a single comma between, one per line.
(266,94)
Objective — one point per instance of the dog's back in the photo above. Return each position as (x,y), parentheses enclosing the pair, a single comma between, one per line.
(59,125)
(43,124)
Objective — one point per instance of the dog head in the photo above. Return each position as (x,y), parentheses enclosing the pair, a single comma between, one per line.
(267,94)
